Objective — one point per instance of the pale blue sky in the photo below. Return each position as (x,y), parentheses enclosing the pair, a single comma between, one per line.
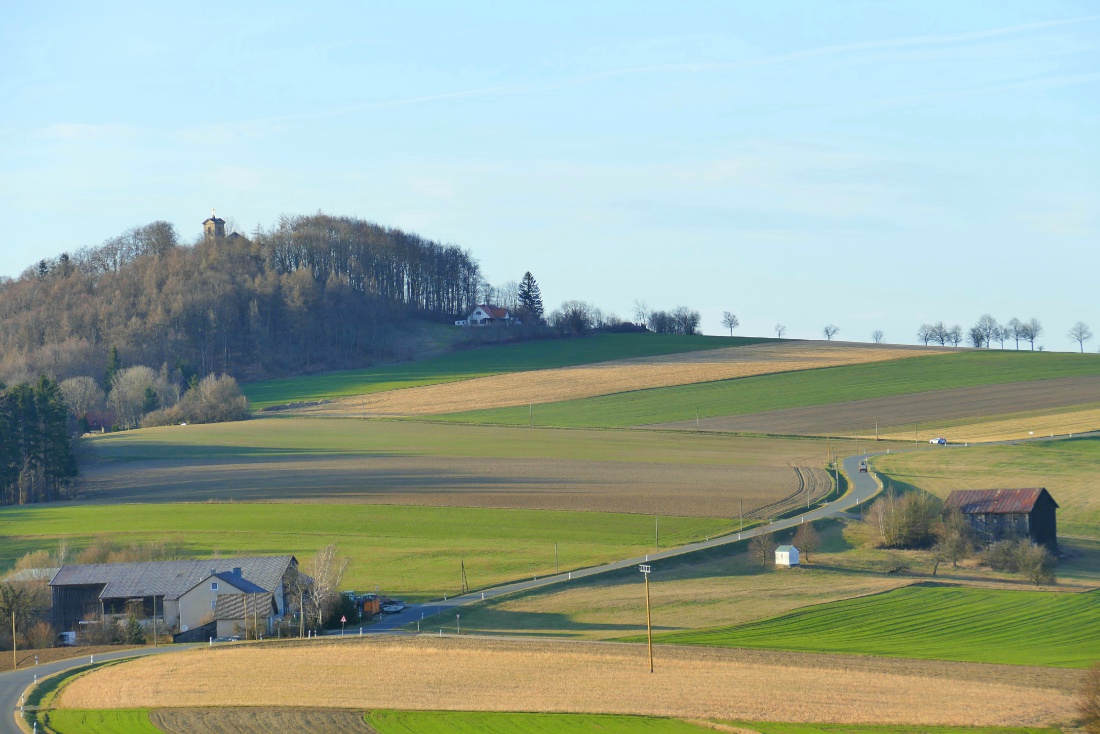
(876,165)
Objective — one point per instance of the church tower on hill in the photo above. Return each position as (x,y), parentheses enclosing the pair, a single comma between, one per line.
(214,227)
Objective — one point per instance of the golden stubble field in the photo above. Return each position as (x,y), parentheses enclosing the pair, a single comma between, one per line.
(606,378)
(520,675)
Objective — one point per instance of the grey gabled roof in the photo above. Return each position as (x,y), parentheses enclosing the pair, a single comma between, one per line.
(170,579)
(785,549)
(232,606)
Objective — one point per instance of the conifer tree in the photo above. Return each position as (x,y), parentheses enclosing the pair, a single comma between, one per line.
(530,298)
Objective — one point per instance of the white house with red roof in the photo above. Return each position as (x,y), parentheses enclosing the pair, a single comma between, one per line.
(485,314)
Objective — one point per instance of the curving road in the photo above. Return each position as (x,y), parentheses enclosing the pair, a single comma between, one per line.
(14,683)
(862,487)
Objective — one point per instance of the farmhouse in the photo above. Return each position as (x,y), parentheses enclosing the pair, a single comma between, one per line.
(997,514)
(184,594)
(485,314)
(786,556)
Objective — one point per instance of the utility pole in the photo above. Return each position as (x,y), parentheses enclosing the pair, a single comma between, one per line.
(531,414)
(696,418)
(555,558)
(154,620)
(14,659)
(741,514)
(645,569)
(876,427)
(657,531)
(301,613)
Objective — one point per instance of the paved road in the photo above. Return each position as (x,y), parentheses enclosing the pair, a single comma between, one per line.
(863,487)
(13,683)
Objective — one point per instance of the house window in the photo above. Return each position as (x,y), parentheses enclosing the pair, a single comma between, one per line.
(213,585)
(213,603)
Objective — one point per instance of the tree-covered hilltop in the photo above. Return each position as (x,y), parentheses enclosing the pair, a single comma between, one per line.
(312,292)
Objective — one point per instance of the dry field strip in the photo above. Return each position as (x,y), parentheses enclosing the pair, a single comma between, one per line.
(258,720)
(606,378)
(385,462)
(1008,429)
(897,414)
(519,675)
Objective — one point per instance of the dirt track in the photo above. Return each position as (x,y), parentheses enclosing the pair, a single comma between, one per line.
(857,418)
(605,378)
(258,720)
(521,675)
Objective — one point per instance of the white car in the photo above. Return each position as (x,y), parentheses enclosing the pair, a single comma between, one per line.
(939,441)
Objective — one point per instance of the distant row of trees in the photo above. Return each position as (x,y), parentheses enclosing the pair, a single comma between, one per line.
(37,451)
(982,334)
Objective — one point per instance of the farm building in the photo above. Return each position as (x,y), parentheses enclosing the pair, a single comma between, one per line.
(786,556)
(185,594)
(997,514)
(485,314)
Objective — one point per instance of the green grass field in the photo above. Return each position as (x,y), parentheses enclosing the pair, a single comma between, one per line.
(770,728)
(943,623)
(105,721)
(823,386)
(410,551)
(481,362)
(1067,468)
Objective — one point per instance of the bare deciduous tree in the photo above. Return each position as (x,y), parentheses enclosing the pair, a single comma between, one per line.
(1031,331)
(1015,330)
(762,548)
(806,539)
(1080,333)
(780,330)
(987,326)
(730,321)
(830,331)
(83,395)
(641,313)
(955,335)
(925,334)
(955,539)
(326,569)
(877,336)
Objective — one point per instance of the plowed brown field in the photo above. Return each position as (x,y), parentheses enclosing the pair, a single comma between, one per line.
(498,675)
(605,378)
(933,412)
(258,721)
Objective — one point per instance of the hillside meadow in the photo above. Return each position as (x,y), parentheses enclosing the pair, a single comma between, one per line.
(1067,468)
(823,386)
(386,462)
(410,551)
(480,362)
(479,674)
(931,622)
(606,378)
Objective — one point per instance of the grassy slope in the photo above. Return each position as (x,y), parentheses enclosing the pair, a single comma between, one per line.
(119,721)
(276,437)
(977,625)
(796,389)
(1066,468)
(412,551)
(775,728)
(480,362)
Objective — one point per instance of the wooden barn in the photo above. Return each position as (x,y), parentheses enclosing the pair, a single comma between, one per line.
(997,514)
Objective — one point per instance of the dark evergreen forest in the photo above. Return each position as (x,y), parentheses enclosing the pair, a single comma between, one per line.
(37,459)
(313,292)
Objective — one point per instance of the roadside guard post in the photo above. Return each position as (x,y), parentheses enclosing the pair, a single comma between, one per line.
(646,570)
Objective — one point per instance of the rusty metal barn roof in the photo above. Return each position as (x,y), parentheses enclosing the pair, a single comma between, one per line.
(996,501)
(170,579)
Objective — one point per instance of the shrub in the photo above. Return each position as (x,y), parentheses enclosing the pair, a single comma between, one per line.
(132,631)
(1035,562)
(217,399)
(1002,556)
(40,635)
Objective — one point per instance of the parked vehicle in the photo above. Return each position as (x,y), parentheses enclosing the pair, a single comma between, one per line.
(863,467)
(393,606)
(939,441)
(66,639)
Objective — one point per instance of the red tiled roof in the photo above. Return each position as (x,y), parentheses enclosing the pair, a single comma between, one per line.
(995,501)
(494,312)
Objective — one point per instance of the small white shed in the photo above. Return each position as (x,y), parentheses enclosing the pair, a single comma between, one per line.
(786,555)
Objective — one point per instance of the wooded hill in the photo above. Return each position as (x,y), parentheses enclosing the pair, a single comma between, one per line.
(313,292)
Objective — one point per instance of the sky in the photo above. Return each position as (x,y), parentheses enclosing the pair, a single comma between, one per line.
(871,165)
